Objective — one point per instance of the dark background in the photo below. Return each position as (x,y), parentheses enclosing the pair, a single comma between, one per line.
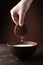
(33,20)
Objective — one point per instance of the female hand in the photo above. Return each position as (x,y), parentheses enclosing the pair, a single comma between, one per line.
(18,12)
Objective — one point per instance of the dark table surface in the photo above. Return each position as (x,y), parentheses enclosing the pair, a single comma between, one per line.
(6,58)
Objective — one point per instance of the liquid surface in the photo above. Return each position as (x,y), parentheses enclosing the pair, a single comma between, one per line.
(23,45)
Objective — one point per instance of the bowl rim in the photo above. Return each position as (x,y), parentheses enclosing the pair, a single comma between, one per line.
(13,44)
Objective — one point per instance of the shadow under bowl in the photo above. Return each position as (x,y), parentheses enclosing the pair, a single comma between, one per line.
(23,50)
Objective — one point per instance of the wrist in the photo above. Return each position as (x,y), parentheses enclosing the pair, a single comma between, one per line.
(26,4)
(26,0)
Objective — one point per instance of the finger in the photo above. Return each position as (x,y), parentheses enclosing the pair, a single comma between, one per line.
(14,17)
(21,20)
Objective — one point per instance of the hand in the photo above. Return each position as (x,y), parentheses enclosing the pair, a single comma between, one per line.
(18,12)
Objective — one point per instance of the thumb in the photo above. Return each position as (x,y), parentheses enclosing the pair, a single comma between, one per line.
(21,20)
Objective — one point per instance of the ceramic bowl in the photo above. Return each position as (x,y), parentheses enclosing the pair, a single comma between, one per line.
(23,49)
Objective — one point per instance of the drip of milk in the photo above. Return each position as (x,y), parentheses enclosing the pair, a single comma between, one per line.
(21,38)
